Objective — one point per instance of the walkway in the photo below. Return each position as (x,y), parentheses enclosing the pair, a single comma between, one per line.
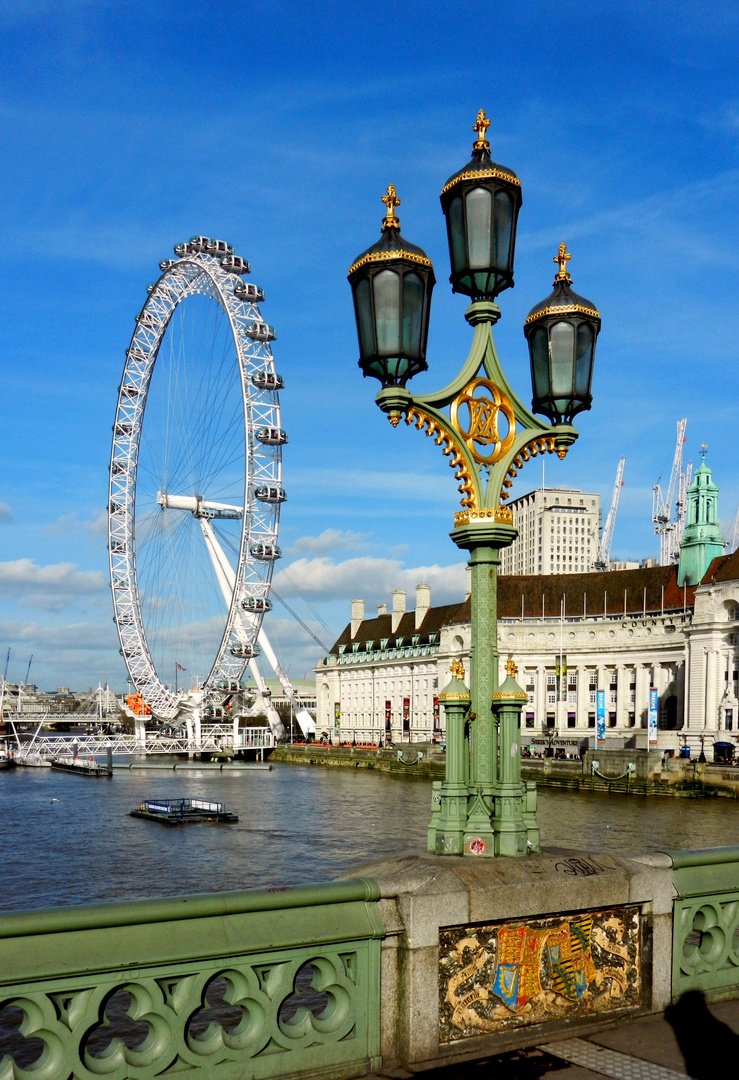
(641,1049)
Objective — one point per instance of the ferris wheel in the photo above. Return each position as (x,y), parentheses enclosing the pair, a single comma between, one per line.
(195,480)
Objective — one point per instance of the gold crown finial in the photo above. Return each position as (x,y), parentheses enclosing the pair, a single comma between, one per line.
(562,257)
(481,126)
(511,668)
(391,200)
(457,669)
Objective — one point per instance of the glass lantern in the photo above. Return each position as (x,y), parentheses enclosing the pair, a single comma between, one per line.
(391,285)
(561,333)
(481,204)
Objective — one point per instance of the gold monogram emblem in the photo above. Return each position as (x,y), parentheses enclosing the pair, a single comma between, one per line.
(485,403)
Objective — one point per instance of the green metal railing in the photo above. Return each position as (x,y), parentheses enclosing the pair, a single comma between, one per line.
(259,984)
(705,934)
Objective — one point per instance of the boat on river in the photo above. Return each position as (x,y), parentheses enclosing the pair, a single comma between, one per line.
(81,766)
(185,812)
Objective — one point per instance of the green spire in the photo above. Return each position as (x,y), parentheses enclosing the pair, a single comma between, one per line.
(702,540)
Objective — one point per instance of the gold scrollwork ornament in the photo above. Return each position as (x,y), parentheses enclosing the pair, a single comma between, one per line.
(483,429)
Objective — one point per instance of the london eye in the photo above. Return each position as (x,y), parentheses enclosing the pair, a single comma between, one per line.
(196,481)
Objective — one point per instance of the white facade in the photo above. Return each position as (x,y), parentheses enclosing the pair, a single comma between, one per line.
(689,655)
(558,532)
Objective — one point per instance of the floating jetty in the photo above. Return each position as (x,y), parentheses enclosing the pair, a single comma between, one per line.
(184,812)
(81,766)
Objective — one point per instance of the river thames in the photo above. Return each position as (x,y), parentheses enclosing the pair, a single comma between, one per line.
(296,825)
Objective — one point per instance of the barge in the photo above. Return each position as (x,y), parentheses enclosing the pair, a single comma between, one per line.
(184,812)
(81,766)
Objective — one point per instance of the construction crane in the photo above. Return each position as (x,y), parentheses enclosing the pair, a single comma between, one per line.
(735,534)
(4,684)
(24,684)
(682,503)
(664,526)
(603,558)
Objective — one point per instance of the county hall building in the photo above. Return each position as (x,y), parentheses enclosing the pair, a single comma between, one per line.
(672,628)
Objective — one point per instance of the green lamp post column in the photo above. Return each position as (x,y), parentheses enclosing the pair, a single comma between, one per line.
(446,831)
(511,833)
(487,435)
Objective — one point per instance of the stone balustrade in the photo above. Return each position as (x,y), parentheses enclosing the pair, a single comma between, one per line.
(421,961)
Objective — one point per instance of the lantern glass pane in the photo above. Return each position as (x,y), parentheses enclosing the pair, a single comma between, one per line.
(502,237)
(363,308)
(540,362)
(386,286)
(457,246)
(584,359)
(412,311)
(479,205)
(562,338)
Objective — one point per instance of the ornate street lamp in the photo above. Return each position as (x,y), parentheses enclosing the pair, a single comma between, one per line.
(481,204)
(482,808)
(561,332)
(392,284)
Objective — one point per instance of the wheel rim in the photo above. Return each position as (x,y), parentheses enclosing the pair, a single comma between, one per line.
(186,427)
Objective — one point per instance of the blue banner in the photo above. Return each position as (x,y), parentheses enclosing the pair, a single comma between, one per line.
(653,709)
(601,698)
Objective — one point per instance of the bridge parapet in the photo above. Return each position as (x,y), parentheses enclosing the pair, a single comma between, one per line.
(266,983)
(423,962)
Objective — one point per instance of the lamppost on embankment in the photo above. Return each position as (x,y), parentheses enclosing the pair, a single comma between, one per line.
(483,807)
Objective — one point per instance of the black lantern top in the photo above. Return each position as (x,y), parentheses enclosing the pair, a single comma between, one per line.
(392,284)
(561,332)
(481,204)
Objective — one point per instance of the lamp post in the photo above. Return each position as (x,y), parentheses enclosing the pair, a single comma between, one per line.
(487,434)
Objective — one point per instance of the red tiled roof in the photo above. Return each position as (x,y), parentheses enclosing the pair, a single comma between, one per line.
(612,592)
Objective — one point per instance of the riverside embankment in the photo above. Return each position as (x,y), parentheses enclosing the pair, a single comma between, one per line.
(600,770)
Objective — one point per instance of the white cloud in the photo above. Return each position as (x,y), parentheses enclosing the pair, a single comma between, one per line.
(5,515)
(373,579)
(95,527)
(48,587)
(328,540)
(73,637)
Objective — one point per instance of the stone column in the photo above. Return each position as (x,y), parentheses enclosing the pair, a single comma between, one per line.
(680,691)
(622,698)
(711,702)
(541,697)
(583,698)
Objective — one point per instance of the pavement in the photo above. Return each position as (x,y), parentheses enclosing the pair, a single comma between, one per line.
(643,1048)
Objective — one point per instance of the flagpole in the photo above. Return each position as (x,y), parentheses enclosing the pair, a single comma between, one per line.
(176,669)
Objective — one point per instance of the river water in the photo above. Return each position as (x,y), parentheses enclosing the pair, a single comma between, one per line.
(297,824)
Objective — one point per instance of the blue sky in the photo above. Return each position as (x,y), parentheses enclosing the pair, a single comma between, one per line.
(127,128)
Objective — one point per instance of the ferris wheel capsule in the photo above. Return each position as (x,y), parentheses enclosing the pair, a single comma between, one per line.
(219,248)
(167,264)
(271,436)
(267,380)
(252,294)
(257,604)
(270,493)
(265,552)
(245,652)
(197,244)
(234,264)
(260,331)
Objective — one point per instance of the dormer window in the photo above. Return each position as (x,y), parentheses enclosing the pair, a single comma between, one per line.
(383,642)
(416,639)
(398,642)
(369,645)
(432,639)
(342,650)
(355,647)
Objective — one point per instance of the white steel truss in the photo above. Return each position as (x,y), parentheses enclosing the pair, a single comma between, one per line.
(197,272)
